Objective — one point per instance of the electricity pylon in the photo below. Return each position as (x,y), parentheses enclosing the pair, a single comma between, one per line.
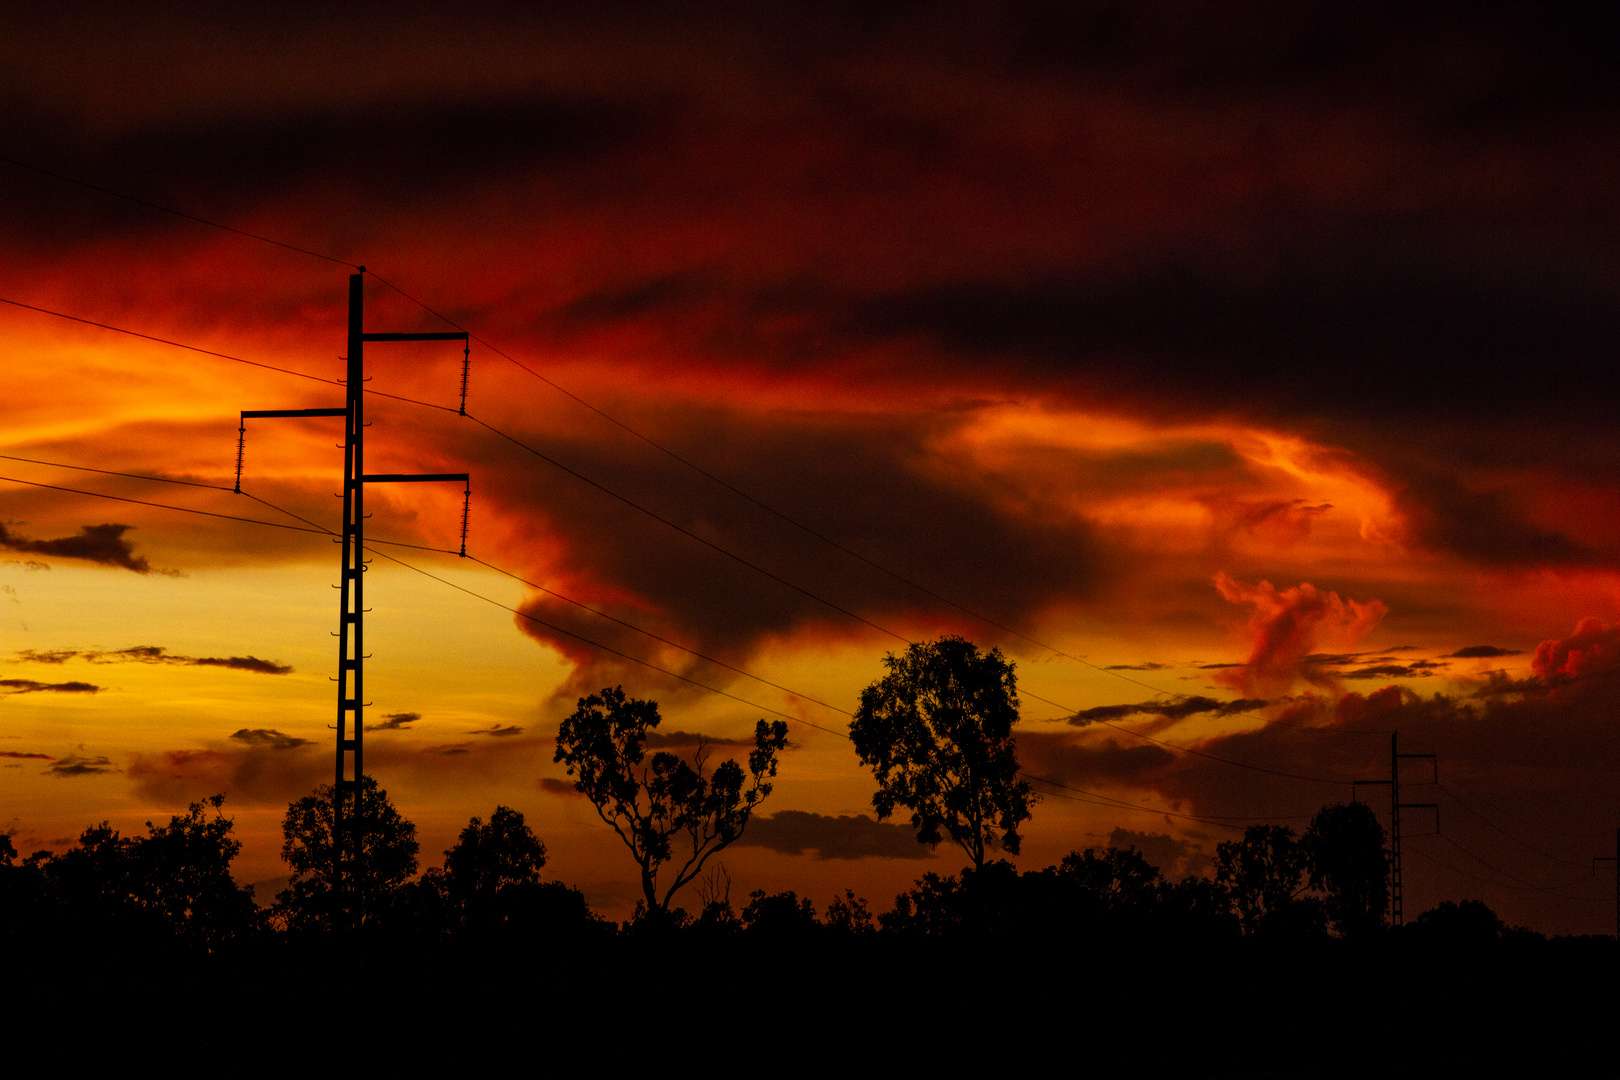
(1395,808)
(347,821)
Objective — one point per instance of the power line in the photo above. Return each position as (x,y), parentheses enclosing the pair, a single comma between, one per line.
(114,472)
(1522,843)
(718,548)
(727,485)
(1522,886)
(678,528)
(813,532)
(167,341)
(176,213)
(609,649)
(1139,809)
(1220,820)
(314,527)
(741,559)
(576,603)
(713,478)
(162,506)
(1528,824)
(657,637)
(861,618)
(631,431)
(1199,753)
(1095,798)
(686,532)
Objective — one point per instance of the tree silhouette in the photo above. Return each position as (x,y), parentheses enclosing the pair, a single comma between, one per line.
(650,801)
(185,868)
(779,915)
(1350,866)
(489,864)
(1265,876)
(1469,923)
(174,883)
(937,732)
(387,858)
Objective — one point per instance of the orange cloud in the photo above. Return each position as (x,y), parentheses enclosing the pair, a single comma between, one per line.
(1594,647)
(1287,625)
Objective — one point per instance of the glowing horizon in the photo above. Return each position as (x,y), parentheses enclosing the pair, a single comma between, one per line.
(1217,390)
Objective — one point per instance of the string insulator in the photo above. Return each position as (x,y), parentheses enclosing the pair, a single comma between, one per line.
(466,368)
(466,512)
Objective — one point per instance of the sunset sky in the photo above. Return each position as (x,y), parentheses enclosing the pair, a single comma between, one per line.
(1245,373)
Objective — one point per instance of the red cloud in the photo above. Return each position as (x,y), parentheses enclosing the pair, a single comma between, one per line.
(1592,648)
(1287,626)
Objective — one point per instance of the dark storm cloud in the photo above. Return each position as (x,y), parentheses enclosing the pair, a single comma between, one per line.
(1060,757)
(615,303)
(865,484)
(104,544)
(31,686)
(1325,334)
(79,765)
(1536,60)
(1170,856)
(1512,738)
(554,786)
(1417,669)
(1482,526)
(686,740)
(1287,296)
(268,738)
(265,767)
(262,768)
(499,731)
(1482,652)
(399,721)
(795,832)
(1177,708)
(51,656)
(152,654)
(1500,683)
(25,755)
(239,663)
(1283,521)
(1148,666)
(398,152)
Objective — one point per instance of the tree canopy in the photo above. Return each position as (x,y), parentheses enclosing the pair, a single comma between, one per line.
(1265,875)
(173,883)
(489,864)
(1350,866)
(937,733)
(489,858)
(649,801)
(387,855)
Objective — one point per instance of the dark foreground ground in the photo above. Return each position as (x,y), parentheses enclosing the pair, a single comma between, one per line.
(620,1004)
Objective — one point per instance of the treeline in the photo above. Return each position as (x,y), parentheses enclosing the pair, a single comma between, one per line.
(172,889)
(1250,967)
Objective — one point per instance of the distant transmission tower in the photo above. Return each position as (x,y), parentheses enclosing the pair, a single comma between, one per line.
(347,819)
(1395,808)
(1615,858)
